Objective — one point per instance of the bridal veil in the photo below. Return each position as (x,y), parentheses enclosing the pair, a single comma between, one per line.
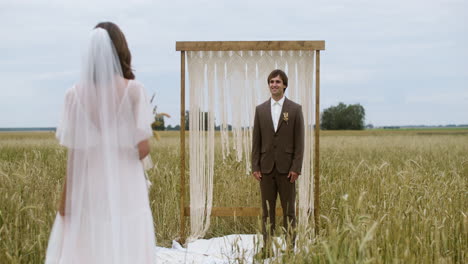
(107,215)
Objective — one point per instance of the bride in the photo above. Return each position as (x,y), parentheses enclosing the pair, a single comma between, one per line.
(104,215)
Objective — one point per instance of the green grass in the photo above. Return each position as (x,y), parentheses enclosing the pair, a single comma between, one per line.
(386,196)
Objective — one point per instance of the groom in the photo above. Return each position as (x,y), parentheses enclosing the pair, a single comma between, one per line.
(277,151)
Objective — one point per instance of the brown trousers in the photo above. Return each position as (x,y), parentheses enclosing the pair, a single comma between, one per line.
(270,185)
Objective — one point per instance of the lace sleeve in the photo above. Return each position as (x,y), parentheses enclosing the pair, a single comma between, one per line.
(65,128)
(143,113)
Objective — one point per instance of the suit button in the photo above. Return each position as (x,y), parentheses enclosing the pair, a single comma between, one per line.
(274,146)
(276,135)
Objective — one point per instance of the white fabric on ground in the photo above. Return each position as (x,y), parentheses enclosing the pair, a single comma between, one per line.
(220,250)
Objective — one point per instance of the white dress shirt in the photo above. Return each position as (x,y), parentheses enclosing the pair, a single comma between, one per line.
(276,107)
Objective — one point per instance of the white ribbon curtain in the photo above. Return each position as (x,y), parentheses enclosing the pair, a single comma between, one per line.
(224,89)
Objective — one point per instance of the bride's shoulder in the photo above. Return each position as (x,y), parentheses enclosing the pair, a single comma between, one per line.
(72,89)
(135,84)
(70,94)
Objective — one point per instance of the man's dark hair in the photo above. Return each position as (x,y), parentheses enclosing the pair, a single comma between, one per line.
(281,74)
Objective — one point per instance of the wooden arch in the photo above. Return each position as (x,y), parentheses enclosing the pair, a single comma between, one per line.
(184,46)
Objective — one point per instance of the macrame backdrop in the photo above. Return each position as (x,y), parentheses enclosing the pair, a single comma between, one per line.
(224,88)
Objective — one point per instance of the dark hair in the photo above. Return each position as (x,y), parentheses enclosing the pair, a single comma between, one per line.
(281,74)
(121,47)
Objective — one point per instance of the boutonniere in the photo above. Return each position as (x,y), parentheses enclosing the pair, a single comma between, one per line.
(286,117)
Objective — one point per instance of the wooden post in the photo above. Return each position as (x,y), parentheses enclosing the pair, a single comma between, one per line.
(182,146)
(317,144)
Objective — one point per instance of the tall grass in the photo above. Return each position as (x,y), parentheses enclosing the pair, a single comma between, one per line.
(387,197)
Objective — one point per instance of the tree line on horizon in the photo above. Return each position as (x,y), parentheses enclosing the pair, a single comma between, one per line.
(339,117)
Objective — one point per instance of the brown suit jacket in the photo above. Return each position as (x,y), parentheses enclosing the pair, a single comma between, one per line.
(285,147)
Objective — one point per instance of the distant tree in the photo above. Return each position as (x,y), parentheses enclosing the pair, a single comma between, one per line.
(172,128)
(187,119)
(158,124)
(229,127)
(342,117)
(203,118)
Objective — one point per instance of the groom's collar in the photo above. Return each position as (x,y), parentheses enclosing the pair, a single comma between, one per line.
(281,101)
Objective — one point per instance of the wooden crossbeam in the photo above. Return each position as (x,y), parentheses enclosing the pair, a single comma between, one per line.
(249,45)
(235,211)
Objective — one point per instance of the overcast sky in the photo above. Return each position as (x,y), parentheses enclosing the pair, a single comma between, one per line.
(405,61)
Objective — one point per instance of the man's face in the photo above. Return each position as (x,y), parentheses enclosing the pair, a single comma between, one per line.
(276,86)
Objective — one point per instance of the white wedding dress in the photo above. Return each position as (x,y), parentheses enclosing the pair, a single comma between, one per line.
(107,216)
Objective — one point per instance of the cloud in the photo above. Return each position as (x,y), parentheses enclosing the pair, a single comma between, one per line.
(440,98)
(380,53)
(55,75)
(347,76)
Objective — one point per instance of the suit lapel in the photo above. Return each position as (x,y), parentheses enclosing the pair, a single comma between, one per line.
(269,118)
(285,109)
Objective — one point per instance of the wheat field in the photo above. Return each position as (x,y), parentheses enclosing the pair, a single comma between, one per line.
(386,196)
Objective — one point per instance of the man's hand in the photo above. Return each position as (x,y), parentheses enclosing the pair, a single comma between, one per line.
(292,176)
(257,175)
